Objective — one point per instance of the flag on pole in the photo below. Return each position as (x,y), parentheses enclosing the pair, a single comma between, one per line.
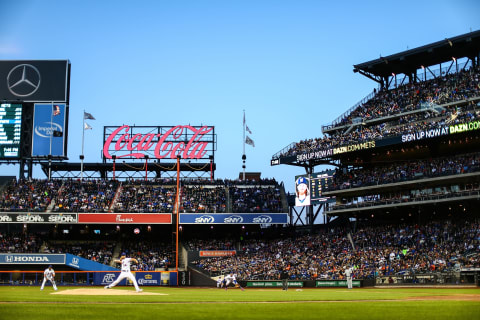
(56,110)
(87,127)
(88,116)
(249,141)
(248,130)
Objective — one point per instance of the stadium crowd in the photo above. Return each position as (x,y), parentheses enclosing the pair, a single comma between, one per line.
(256,199)
(151,255)
(408,109)
(85,195)
(28,195)
(20,243)
(145,198)
(100,252)
(441,90)
(157,196)
(404,171)
(373,251)
(200,199)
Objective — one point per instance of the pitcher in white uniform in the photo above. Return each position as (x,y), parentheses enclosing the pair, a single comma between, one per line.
(49,274)
(125,273)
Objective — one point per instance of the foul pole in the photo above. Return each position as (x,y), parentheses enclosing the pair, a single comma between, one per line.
(177,207)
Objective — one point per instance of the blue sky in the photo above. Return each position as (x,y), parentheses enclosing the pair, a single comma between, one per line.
(288,64)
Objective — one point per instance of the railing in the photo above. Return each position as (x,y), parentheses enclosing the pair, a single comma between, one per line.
(397,201)
(418,176)
(422,75)
(339,119)
(279,153)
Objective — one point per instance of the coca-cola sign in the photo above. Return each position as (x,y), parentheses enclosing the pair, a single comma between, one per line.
(188,142)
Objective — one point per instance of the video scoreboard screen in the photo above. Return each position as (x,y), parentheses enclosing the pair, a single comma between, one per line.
(318,182)
(10,130)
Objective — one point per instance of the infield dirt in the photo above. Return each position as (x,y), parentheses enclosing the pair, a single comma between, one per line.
(104,292)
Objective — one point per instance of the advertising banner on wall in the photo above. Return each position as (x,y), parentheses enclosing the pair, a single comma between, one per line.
(439,131)
(34,80)
(275,284)
(148,278)
(31,258)
(30,217)
(233,218)
(85,264)
(336,283)
(106,278)
(160,142)
(49,130)
(216,253)
(125,218)
(184,278)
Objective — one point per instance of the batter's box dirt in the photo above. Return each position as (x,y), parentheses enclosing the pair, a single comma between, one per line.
(104,292)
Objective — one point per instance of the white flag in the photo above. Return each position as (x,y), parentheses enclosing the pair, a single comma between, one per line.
(249,141)
(248,130)
(87,127)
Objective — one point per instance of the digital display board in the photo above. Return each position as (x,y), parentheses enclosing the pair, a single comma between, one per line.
(302,191)
(10,130)
(319,181)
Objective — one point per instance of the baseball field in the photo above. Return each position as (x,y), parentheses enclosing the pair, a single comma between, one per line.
(17,302)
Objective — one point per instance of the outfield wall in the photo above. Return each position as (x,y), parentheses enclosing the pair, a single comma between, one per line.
(305,283)
(92,278)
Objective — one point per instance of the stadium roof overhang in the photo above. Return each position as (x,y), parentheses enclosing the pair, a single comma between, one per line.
(407,62)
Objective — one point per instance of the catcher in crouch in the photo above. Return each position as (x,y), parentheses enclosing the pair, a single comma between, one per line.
(126,273)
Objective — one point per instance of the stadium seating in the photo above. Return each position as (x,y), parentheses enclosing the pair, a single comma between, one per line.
(373,251)
(156,196)
(407,109)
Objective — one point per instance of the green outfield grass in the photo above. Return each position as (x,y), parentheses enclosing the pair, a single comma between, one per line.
(208,303)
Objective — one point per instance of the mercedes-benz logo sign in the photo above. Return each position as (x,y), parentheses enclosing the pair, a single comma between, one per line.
(23,80)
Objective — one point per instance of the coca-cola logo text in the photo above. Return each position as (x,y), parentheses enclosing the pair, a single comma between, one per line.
(168,145)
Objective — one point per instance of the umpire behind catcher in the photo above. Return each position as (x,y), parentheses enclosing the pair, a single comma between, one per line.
(284,277)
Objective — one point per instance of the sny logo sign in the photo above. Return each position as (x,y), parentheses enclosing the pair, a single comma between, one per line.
(233,219)
(262,219)
(205,219)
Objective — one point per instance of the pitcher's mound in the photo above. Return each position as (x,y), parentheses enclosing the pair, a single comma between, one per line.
(105,292)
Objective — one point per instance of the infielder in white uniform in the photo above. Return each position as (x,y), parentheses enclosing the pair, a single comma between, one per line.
(49,274)
(125,273)
(349,275)
(231,278)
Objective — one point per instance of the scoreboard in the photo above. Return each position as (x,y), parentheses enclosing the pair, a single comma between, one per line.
(10,130)
(318,182)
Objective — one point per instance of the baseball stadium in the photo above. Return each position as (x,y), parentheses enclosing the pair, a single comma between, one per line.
(384,220)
